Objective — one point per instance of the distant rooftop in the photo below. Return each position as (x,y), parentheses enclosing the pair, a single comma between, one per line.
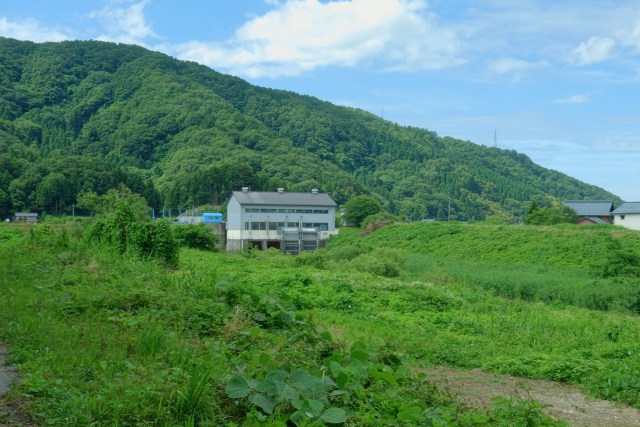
(596,220)
(283,198)
(628,208)
(591,207)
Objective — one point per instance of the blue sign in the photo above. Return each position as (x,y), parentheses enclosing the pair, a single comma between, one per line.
(212,218)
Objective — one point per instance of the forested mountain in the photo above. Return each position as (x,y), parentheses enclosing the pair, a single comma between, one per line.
(86,116)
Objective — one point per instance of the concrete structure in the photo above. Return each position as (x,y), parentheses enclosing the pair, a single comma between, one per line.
(628,215)
(291,222)
(26,217)
(591,211)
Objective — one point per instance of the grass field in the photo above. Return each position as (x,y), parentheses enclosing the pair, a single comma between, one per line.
(333,337)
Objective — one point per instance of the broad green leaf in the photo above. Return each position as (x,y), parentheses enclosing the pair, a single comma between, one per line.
(298,403)
(342,379)
(302,380)
(334,415)
(360,355)
(273,383)
(315,407)
(238,388)
(335,367)
(288,393)
(263,402)
(266,359)
(326,336)
(384,373)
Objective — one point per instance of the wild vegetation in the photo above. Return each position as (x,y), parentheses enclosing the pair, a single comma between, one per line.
(81,118)
(338,336)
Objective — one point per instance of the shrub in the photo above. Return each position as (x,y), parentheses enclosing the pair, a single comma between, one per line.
(120,231)
(196,237)
(377,221)
(385,262)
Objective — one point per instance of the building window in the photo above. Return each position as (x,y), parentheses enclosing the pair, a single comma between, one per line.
(255,225)
(320,226)
(621,216)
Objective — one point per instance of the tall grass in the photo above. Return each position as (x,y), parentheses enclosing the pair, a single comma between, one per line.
(595,268)
(106,340)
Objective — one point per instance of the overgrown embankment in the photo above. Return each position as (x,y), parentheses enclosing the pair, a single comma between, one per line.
(591,267)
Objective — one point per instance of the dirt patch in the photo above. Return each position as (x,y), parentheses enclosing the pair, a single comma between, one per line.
(11,411)
(477,388)
(7,373)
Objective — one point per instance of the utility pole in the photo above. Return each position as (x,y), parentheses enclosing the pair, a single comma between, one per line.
(495,138)
(449,210)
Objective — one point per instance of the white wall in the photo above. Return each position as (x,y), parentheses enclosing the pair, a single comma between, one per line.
(631,221)
(234,214)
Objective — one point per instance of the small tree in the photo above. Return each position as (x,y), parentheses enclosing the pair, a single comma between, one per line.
(551,216)
(359,207)
(101,205)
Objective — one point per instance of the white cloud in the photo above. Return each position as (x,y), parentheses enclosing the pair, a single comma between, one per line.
(632,38)
(31,29)
(575,99)
(512,65)
(124,24)
(594,50)
(302,35)
(515,69)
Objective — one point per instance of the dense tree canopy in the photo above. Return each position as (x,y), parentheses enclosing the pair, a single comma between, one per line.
(80,117)
(358,208)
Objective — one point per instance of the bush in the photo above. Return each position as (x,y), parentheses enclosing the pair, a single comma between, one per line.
(384,262)
(196,237)
(377,221)
(121,232)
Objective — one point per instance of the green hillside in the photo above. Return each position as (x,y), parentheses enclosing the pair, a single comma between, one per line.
(85,116)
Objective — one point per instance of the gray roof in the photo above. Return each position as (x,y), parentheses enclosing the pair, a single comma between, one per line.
(628,208)
(284,198)
(596,220)
(591,207)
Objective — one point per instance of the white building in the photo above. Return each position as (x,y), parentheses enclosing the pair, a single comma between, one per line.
(627,215)
(291,222)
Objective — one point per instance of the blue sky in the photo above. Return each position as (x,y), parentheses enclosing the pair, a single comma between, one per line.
(556,80)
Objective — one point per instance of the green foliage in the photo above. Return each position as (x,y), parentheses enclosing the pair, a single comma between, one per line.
(196,237)
(360,207)
(121,231)
(522,412)
(385,262)
(84,116)
(379,220)
(551,216)
(101,205)
(588,267)
(231,340)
